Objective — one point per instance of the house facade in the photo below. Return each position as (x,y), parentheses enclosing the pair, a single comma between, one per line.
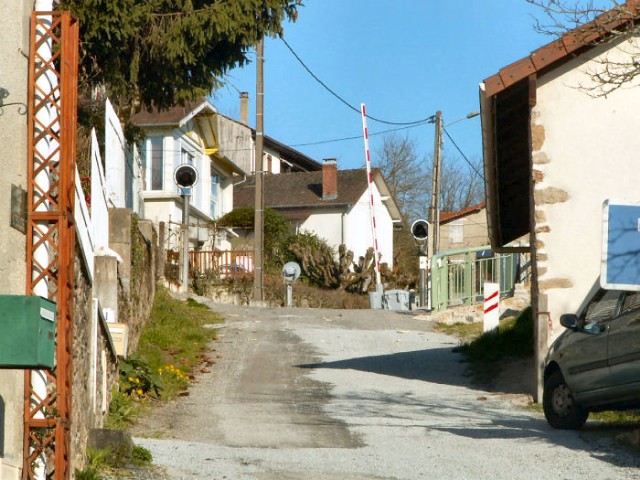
(333,204)
(555,149)
(13,186)
(186,135)
(463,229)
(237,141)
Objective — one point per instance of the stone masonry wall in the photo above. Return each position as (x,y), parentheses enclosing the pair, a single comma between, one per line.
(95,372)
(135,307)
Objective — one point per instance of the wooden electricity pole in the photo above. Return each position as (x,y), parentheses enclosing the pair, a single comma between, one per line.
(435,190)
(258,260)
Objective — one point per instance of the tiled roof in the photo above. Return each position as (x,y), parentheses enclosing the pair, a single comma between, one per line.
(303,189)
(565,47)
(448,216)
(172,116)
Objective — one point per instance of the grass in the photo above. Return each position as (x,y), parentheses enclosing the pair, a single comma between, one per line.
(172,343)
(486,351)
(113,462)
(513,339)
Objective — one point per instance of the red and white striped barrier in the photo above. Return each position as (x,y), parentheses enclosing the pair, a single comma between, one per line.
(491,306)
(367,154)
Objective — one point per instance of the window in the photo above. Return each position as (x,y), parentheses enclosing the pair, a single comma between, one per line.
(602,307)
(187,157)
(631,302)
(215,193)
(456,232)
(157,163)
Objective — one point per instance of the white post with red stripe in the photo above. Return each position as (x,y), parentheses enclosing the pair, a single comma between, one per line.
(367,155)
(491,306)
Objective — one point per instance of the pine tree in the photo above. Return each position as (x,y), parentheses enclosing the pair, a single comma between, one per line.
(162,52)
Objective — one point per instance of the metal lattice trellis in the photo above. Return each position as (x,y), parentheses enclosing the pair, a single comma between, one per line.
(53,72)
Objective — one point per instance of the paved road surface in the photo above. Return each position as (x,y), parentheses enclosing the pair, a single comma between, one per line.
(305,394)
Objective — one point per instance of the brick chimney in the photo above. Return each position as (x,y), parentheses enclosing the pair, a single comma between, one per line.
(244,107)
(329,179)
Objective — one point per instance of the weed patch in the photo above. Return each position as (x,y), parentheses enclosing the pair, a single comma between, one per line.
(171,345)
(513,339)
(486,352)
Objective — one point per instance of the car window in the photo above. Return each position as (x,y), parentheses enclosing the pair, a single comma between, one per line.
(603,307)
(631,302)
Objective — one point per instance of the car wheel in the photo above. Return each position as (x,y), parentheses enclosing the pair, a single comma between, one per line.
(560,408)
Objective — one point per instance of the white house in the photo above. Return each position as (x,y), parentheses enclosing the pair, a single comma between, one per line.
(333,204)
(554,152)
(186,135)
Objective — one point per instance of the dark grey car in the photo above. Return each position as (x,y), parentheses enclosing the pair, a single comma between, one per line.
(595,364)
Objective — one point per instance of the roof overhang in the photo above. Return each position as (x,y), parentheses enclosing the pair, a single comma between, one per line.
(387,197)
(226,163)
(506,141)
(506,100)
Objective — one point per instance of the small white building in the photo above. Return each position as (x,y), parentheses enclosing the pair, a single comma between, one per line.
(186,135)
(333,204)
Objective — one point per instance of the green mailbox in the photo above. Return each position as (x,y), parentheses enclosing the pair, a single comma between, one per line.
(27,332)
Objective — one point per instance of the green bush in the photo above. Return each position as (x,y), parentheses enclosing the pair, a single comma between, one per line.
(138,379)
(141,456)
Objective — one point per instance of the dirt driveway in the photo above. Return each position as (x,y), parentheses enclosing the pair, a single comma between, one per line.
(354,395)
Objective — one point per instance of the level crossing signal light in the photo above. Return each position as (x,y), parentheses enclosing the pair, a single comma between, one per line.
(420,230)
(185,175)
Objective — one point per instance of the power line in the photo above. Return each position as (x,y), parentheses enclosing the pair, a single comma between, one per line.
(461,153)
(357,137)
(327,88)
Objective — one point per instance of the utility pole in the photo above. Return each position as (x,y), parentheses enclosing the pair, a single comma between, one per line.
(434,216)
(258,261)
(186,195)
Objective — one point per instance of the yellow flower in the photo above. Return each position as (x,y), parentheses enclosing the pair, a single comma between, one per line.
(140,392)
(137,380)
(131,379)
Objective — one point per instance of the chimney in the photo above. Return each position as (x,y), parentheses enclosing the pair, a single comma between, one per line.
(244,107)
(329,179)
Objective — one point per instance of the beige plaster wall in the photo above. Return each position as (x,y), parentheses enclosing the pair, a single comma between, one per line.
(586,149)
(14,51)
(474,232)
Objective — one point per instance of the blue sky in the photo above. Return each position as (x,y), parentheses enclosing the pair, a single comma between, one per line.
(404,59)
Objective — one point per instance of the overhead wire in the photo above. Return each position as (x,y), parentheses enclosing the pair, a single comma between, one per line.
(341,99)
(357,137)
(461,153)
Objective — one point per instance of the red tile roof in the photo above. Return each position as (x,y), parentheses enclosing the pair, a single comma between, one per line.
(563,49)
(449,216)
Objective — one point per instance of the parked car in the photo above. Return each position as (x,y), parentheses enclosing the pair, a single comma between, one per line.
(231,270)
(595,364)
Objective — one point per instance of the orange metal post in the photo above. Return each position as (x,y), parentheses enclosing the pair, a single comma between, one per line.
(50,226)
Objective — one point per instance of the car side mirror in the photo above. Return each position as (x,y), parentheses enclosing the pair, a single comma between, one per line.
(570,321)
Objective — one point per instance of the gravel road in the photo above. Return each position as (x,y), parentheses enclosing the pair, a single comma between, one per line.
(352,395)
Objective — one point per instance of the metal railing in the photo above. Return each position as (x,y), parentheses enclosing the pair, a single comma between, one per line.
(212,263)
(458,276)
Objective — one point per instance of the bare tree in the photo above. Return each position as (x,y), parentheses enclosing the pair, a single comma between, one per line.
(409,178)
(461,187)
(407,175)
(590,23)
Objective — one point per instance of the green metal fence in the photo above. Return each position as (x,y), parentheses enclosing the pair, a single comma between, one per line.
(458,276)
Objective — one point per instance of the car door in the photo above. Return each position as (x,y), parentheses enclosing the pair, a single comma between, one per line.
(624,345)
(584,355)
